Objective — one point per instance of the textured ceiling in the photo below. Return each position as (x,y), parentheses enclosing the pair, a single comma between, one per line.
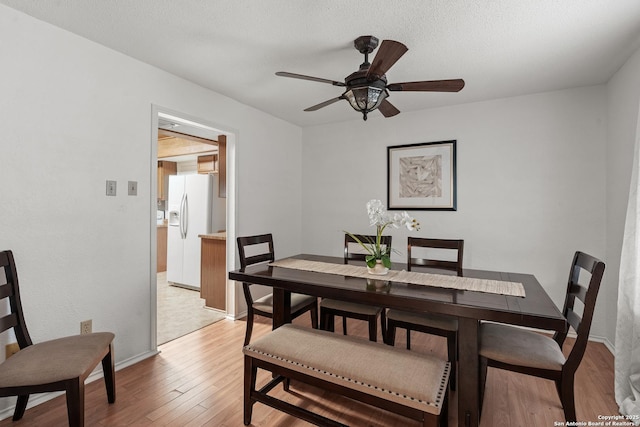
(500,48)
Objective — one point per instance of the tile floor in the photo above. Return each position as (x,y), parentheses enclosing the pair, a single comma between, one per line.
(181,311)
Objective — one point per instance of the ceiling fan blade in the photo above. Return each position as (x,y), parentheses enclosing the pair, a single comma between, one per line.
(324,104)
(454,85)
(388,53)
(313,79)
(388,109)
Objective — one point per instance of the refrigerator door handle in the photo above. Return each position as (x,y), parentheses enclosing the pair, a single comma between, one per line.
(181,222)
(186,215)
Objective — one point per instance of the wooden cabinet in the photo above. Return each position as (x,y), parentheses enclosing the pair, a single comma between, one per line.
(165,168)
(162,248)
(208,164)
(213,271)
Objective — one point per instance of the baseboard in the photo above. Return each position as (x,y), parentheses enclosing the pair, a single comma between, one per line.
(237,316)
(605,341)
(37,399)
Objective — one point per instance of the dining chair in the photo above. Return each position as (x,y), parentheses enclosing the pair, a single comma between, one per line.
(61,364)
(329,308)
(532,353)
(259,249)
(430,323)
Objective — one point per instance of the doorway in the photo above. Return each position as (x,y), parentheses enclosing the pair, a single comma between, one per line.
(187,149)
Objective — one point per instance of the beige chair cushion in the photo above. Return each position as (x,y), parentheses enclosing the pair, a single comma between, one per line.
(446,323)
(351,307)
(55,360)
(406,377)
(520,347)
(297,302)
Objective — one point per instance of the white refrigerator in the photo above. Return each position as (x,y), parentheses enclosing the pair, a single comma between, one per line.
(194,209)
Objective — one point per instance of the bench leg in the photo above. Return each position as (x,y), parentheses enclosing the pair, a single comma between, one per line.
(250,373)
(441,420)
(452,350)
(444,411)
(430,420)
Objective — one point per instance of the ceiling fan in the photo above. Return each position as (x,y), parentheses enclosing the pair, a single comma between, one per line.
(367,88)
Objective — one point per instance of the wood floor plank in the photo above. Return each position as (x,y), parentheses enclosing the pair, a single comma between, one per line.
(196,380)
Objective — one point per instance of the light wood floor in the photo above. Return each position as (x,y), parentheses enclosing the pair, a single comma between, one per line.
(196,380)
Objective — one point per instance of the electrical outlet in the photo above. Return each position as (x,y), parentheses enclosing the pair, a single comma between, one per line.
(85,327)
(11,349)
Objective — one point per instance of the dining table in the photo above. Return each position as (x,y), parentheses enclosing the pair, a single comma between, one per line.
(535,309)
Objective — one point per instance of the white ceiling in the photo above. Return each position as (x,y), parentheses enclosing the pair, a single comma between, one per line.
(500,48)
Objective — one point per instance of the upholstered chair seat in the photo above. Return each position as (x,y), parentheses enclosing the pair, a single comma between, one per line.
(298,302)
(56,360)
(521,347)
(433,320)
(351,307)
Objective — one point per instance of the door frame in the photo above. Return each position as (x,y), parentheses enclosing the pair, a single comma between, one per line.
(232,216)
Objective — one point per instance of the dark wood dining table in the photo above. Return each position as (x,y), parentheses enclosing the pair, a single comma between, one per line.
(535,310)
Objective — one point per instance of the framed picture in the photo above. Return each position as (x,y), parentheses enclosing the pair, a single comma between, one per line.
(422,176)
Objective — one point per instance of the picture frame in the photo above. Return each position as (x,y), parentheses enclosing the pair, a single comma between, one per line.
(422,176)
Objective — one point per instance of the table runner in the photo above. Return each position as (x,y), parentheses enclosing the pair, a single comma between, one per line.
(413,277)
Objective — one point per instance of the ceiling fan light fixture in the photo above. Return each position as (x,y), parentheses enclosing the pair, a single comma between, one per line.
(366,89)
(365,98)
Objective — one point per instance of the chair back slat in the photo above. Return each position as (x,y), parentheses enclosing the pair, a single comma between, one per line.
(576,290)
(257,259)
(5,291)
(355,256)
(573,319)
(9,321)
(245,242)
(11,290)
(450,244)
(432,263)
(582,263)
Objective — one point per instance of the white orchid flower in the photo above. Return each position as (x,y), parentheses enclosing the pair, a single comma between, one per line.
(381,219)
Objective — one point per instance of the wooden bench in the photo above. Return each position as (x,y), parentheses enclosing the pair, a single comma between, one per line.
(394,379)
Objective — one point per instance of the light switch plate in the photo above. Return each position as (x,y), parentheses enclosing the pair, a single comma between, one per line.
(133,188)
(111,188)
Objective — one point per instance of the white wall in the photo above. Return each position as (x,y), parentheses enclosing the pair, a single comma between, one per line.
(76,114)
(623,96)
(531,181)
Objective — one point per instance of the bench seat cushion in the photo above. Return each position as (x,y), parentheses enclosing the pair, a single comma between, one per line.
(405,377)
(56,360)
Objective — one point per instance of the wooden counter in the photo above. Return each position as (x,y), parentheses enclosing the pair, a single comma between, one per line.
(213,276)
(162,248)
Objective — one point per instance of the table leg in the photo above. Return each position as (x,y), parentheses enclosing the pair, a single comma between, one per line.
(468,398)
(281,307)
